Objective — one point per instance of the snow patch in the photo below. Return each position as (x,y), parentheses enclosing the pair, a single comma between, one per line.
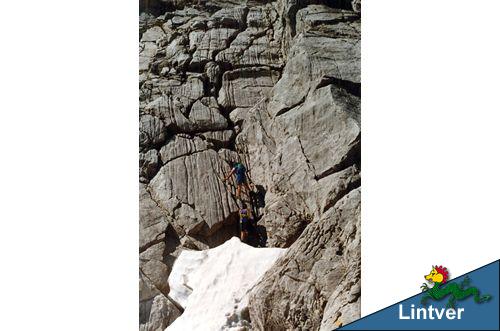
(213,285)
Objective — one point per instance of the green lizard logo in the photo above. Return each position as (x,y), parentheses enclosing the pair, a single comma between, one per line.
(439,276)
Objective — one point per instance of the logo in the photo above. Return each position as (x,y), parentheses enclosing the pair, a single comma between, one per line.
(442,289)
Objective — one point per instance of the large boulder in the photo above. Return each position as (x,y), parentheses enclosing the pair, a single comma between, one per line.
(180,146)
(311,59)
(212,42)
(334,113)
(152,131)
(229,17)
(205,115)
(191,188)
(247,86)
(321,269)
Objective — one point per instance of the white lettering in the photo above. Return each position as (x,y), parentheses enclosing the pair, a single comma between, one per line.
(450,314)
(439,313)
(430,313)
(401,317)
(424,313)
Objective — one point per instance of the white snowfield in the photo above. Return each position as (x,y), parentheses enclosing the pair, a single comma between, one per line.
(213,285)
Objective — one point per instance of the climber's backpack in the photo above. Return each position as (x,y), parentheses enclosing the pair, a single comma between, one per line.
(244,214)
(240,169)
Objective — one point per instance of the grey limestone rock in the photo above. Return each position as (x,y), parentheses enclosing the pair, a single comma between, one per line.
(230,17)
(151,131)
(275,85)
(247,86)
(191,187)
(205,115)
(148,164)
(356,5)
(310,59)
(323,264)
(211,43)
(181,146)
(218,138)
(157,313)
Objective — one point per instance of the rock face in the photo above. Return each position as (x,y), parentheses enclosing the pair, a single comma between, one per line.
(322,268)
(276,86)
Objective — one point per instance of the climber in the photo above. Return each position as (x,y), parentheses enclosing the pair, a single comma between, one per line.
(241,178)
(245,222)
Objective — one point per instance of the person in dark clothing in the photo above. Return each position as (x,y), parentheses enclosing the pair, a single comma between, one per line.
(245,222)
